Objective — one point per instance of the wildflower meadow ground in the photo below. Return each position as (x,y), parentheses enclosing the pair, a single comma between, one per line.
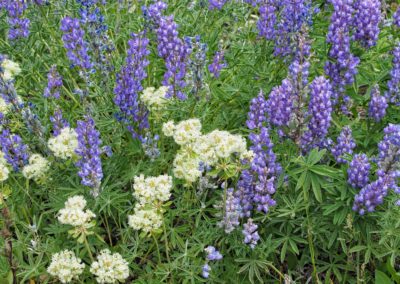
(199,141)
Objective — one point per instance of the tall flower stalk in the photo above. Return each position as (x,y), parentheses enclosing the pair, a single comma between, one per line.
(342,65)
(89,152)
(129,84)
(175,53)
(77,48)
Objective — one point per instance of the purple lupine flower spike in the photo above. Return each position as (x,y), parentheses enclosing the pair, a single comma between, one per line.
(232,211)
(250,233)
(265,168)
(358,171)
(343,65)
(15,151)
(99,42)
(19,26)
(320,112)
(129,85)
(298,77)
(280,104)
(345,145)
(89,152)
(374,193)
(77,47)
(153,14)
(58,122)
(245,192)
(217,64)
(280,20)
(377,105)
(299,69)
(257,114)
(257,185)
(393,92)
(54,84)
(366,21)
(175,53)
(293,16)
(267,19)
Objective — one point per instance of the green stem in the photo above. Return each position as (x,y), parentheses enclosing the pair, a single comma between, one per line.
(358,268)
(158,249)
(276,270)
(309,237)
(88,249)
(108,230)
(166,243)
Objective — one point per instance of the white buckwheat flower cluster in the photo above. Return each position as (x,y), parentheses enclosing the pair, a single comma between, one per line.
(150,193)
(154,99)
(63,145)
(9,69)
(73,213)
(151,189)
(197,149)
(110,268)
(187,131)
(65,266)
(146,219)
(37,168)
(4,171)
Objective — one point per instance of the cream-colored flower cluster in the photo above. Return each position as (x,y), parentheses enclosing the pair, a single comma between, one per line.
(150,193)
(73,212)
(9,69)
(37,168)
(152,189)
(65,266)
(110,268)
(154,99)
(4,171)
(185,132)
(197,149)
(63,145)
(146,219)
